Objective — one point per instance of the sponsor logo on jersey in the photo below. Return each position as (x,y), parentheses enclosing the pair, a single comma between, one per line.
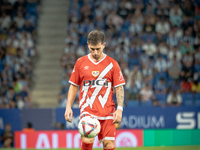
(95,73)
(100,82)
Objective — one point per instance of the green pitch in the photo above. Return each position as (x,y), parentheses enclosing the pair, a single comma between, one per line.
(140,148)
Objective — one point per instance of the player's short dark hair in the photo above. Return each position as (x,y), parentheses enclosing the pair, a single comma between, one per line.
(94,37)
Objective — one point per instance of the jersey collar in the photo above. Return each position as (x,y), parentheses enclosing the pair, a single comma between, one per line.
(96,63)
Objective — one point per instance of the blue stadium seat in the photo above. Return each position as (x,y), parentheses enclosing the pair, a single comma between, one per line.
(197,68)
(187,96)
(147,103)
(197,97)
(197,103)
(188,102)
(161,97)
(133,103)
(163,102)
(133,62)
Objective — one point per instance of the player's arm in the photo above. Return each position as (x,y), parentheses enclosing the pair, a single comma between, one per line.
(117,116)
(73,89)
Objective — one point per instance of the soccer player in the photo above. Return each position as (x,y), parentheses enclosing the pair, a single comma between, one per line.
(97,74)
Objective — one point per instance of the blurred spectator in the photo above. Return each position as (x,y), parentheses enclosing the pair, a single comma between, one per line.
(146,93)
(29,127)
(185,86)
(149,27)
(133,89)
(134,50)
(149,47)
(176,15)
(196,86)
(197,76)
(6,7)
(157,103)
(122,47)
(197,56)
(159,39)
(59,126)
(187,57)
(174,68)
(161,87)
(20,102)
(147,80)
(5,21)
(174,99)
(186,23)
(174,52)
(160,64)
(147,71)
(123,11)
(186,47)
(174,86)
(20,5)
(162,26)
(162,11)
(188,8)
(187,71)
(19,20)
(7,137)
(136,73)
(144,58)
(114,20)
(135,27)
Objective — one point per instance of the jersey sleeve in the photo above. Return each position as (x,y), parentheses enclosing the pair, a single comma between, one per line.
(118,78)
(75,75)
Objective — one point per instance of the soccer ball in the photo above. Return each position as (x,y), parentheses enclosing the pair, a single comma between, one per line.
(89,127)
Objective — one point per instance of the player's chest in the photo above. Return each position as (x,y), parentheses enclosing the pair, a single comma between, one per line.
(93,72)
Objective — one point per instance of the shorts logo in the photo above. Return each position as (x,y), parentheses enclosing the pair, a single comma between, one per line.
(95,73)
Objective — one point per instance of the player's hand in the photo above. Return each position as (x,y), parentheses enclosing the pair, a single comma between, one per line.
(68,114)
(117,116)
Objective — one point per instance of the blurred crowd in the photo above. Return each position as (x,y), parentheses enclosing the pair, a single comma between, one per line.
(156,43)
(18,23)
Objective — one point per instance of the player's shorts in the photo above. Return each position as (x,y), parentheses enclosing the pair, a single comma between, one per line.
(107,131)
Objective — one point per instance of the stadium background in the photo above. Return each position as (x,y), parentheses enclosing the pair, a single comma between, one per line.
(156,43)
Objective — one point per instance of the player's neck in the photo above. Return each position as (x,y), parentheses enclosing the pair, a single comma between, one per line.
(95,60)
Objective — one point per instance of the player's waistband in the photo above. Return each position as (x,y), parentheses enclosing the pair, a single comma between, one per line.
(84,114)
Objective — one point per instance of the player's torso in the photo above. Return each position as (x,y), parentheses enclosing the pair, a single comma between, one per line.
(96,92)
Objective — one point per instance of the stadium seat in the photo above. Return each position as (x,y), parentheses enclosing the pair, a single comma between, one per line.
(133,103)
(188,102)
(147,103)
(197,68)
(197,97)
(163,102)
(161,97)
(187,96)
(197,103)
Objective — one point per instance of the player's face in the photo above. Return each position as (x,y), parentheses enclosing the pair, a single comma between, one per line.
(96,50)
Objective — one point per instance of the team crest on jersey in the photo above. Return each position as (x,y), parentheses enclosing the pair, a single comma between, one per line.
(95,73)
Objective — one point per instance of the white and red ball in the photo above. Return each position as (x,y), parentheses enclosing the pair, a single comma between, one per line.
(89,127)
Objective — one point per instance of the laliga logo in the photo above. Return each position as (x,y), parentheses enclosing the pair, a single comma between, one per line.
(126,139)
